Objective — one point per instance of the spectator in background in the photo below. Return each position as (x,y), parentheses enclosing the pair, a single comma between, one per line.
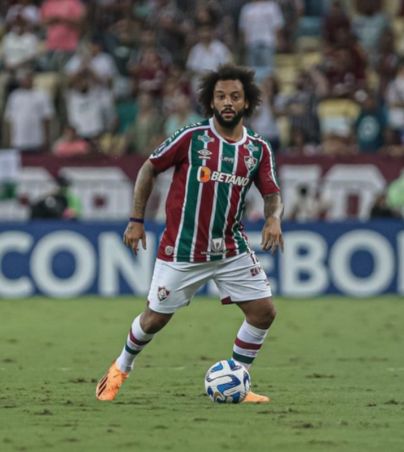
(369,25)
(299,145)
(291,10)
(121,41)
(90,107)
(91,57)
(335,21)
(207,13)
(264,119)
(308,205)
(147,130)
(387,61)
(381,209)
(177,84)
(344,67)
(60,204)
(395,194)
(28,114)
(395,103)
(172,26)
(63,21)
(20,48)
(70,144)
(182,115)
(149,73)
(300,106)
(260,25)
(27,9)
(371,123)
(107,12)
(392,143)
(206,55)
(147,41)
(149,64)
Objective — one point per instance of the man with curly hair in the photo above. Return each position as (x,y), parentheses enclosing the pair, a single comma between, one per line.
(215,163)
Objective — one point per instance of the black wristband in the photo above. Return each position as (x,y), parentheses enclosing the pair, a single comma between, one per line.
(136,220)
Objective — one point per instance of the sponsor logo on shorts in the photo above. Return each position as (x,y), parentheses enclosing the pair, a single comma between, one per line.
(205,174)
(162,293)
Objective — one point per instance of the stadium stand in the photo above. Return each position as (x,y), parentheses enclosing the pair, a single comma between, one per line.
(133,56)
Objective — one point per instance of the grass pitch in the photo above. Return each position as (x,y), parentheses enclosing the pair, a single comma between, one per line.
(334,368)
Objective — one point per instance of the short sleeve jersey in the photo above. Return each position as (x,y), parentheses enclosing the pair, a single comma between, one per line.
(206,200)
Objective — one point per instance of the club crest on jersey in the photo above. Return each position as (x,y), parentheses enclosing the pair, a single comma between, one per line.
(162,293)
(204,154)
(250,162)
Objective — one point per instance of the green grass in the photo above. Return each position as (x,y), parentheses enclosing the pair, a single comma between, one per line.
(334,368)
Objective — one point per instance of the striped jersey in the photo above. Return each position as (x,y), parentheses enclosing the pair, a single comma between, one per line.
(206,200)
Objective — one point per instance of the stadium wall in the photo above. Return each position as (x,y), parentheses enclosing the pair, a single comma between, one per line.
(69,259)
(105,184)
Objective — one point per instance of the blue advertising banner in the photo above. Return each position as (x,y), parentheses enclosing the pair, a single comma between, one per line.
(69,259)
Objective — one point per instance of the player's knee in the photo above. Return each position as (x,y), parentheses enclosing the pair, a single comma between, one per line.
(268,316)
(264,317)
(152,322)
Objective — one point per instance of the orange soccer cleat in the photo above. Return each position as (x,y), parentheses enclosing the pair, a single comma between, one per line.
(108,386)
(251,397)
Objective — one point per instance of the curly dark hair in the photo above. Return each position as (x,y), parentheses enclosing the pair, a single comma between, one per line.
(229,72)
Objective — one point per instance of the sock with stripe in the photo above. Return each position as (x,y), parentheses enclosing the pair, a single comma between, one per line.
(136,341)
(248,342)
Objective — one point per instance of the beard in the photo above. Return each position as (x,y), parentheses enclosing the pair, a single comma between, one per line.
(228,123)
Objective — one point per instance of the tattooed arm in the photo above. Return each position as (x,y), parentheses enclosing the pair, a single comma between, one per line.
(272,233)
(143,187)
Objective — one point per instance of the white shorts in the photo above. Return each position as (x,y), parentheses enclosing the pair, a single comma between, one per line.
(239,278)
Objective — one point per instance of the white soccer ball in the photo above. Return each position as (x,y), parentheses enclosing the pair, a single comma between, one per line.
(227,382)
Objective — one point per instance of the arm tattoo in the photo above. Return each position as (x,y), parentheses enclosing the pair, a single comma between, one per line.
(273,206)
(143,187)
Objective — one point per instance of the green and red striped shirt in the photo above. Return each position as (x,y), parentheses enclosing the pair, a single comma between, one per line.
(206,200)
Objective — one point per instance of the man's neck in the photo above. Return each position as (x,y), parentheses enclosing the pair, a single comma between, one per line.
(230,134)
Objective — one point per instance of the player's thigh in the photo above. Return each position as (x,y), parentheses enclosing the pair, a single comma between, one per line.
(242,279)
(173,285)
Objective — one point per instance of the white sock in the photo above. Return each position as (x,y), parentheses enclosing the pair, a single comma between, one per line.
(248,342)
(136,341)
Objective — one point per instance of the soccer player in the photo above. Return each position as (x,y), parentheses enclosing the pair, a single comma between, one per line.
(215,162)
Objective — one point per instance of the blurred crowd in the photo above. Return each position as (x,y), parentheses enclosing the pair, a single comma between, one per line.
(118,76)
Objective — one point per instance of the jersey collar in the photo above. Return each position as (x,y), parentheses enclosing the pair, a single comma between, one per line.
(215,132)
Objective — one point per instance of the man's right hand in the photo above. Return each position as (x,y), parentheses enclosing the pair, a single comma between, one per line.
(133,233)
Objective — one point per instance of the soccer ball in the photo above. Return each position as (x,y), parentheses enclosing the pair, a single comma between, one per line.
(227,382)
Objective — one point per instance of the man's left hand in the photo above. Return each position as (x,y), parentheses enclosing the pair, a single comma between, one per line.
(272,235)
